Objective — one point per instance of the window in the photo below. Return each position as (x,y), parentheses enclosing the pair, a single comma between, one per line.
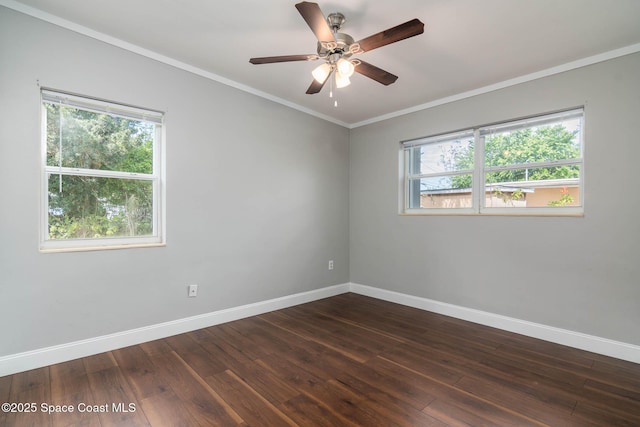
(102,180)
(531,166)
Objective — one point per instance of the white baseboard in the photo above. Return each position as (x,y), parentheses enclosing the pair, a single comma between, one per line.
(20,362)
(607,347)
(61,353)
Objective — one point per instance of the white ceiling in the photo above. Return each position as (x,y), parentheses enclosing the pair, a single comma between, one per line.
(468,45)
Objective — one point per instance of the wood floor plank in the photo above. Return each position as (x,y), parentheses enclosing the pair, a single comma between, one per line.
(548,374)
(398,317)
(347,360)
(195,355)
(5,389)
(478,404)
(395,409)
(618,376)
(270,386)
(356,343)
(567,364)
(539,407)
(394,380)
(399,327)
(465,367)
(35,378)
(453,415)
(526,372)
(602,417)
(323,362)
(345,403)
(270,340)
(607,364)
(425,361)
(156,347)
(308,331)
(109,386)
(226,333)
(248,403)
(616,400)
(168,409)
(550,349)
(33,388)
(388,410)
(70,388)
(220,349)
(617,391)
(68,377)
(293,375)
(307,412)
(99,362)
(139,372)
(204,404)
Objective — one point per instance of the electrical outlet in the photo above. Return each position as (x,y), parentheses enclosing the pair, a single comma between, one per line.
(193,291)
(330,264)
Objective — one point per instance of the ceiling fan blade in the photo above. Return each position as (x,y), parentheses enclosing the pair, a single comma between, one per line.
(392,35)
(315,19)
(317,86)
(375,73)
(283,58)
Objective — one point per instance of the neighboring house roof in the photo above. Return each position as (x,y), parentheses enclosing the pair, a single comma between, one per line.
(509,187)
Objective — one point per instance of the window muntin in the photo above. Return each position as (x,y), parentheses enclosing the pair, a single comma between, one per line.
(531,166)
(101,174)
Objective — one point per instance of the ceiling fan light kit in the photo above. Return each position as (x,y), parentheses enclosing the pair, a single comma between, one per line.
(321,72)
(336,49)
(342,81)
(345,67)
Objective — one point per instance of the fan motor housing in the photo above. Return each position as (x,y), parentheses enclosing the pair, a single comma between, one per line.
(341,46)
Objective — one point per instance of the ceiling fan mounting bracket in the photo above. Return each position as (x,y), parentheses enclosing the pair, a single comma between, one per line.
(335,21)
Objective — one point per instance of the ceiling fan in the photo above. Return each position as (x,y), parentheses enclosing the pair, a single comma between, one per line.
(336,48)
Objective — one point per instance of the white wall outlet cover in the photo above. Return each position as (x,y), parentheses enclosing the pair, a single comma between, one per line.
(193,290)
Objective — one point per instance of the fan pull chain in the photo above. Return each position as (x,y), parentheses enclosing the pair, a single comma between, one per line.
(332,78)
(331,85)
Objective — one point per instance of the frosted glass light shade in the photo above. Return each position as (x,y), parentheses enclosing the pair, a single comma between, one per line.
(345,67)
(321,73)
(342,80)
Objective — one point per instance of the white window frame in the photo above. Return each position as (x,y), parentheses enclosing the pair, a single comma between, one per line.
(157,178)
(479,171)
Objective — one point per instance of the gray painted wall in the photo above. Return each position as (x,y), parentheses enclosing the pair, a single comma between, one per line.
(257,196)
(581,274)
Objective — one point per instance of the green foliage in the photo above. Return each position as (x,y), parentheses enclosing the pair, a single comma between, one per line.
(529,145)
(508,196)
(95,207)
(566,199)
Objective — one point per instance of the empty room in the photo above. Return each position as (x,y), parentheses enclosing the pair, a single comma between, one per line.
(358,213)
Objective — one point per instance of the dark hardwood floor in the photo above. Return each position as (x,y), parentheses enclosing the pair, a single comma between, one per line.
(345,360)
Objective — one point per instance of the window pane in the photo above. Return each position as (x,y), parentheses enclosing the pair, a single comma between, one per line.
(90,207)
(442,192)
(78,138)
(560,141)
(442,156)
(536,187)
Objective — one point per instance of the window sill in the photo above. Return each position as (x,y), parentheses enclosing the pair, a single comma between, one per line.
(579,213)
(48,250)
